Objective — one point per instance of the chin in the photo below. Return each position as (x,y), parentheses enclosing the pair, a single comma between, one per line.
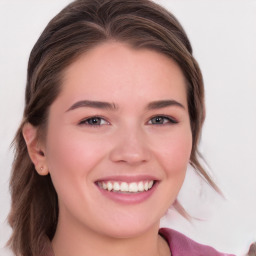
(130,228)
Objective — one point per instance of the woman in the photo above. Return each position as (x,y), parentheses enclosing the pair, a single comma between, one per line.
(113,115)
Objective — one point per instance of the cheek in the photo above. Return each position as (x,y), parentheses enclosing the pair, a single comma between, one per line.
(173,154)
(71,159)
(70,156)
(175,151)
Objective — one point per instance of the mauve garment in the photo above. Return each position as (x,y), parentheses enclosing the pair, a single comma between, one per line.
(181,245)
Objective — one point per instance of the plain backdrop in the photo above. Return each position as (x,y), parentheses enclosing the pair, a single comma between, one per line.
(223,36)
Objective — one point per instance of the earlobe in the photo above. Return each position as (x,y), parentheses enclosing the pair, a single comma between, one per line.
(35,148)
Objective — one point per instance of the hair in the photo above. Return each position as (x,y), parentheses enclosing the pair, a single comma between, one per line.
(79,27)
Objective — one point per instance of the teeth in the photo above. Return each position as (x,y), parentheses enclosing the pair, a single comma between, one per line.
(104,185)
(109,186)
(146,186)
(124,187)
(116,186)
(133,187)
(140,186)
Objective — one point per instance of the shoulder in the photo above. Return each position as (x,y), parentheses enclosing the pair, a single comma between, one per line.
(180,245)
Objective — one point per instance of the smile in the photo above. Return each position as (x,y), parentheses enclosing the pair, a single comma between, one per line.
(125,187)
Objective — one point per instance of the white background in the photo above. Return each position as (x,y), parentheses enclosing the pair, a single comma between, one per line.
(223,36)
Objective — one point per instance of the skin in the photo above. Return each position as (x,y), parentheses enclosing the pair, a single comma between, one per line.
(126,142)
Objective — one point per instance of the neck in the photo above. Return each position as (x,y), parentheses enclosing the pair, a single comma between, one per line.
(78,240)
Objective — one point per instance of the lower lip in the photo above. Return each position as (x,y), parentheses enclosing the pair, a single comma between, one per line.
(129,198)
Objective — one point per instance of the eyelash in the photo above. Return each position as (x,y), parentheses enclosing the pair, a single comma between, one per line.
(92,119)
(165,121)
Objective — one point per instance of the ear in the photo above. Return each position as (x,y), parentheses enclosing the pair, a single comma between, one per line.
(36,150)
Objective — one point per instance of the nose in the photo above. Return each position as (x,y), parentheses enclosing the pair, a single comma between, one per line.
(130,146)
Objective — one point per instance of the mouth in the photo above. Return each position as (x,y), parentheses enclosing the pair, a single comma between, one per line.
(126,187)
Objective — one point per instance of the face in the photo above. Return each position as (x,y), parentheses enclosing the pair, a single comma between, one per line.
(118,140)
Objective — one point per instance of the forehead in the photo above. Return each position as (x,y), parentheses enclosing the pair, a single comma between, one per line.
(116,71)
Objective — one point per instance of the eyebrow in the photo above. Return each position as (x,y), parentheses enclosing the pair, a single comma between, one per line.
(163,103)
(93,104)
(112,106)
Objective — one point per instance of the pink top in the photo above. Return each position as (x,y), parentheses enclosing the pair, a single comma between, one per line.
(181,245)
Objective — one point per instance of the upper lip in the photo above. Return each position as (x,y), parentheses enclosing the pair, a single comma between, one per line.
(128,178)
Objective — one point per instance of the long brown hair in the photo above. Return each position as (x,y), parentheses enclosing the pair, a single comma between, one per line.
(76,29)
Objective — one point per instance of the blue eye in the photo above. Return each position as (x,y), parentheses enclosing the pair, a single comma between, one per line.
(160,120)
(93,121)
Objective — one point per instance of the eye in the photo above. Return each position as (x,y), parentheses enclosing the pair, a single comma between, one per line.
(94,121)
(161,120)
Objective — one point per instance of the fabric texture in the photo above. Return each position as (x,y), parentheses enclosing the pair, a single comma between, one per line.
(179,244)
